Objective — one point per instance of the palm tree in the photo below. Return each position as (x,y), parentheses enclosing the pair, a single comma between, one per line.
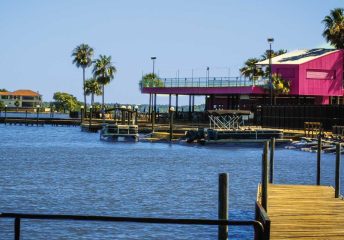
(150,80)
(103,72)
(92,88)
(82,55)
(250,69)
(334,28)
(266,54)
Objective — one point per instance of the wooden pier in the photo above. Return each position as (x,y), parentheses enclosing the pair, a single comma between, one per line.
(300,211)
(305,212)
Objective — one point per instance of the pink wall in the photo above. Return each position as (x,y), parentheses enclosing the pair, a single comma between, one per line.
(290,73)
(326,67)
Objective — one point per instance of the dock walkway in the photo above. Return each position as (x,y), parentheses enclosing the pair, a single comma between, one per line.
(305,212)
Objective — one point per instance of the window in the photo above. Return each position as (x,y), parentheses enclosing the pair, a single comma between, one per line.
(321,74)
(28,98)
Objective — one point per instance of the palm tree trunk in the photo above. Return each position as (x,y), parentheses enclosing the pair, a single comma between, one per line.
(103,105)
(83,77)
(92,99)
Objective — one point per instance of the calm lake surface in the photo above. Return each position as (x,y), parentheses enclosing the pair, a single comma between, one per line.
(61,170)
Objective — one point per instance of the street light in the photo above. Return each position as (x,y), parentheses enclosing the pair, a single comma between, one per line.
(153,98)
(171,111)
(136,110)
(270,41)
(5,114)
(90,119)
(207,76)
(37,106)
(82,113)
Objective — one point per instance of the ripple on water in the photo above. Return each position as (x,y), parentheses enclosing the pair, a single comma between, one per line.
(62,170)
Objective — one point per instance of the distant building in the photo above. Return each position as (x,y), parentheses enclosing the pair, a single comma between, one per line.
(21,99)
(316,77)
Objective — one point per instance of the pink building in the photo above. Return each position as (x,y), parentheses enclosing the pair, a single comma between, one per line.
(316,77)
(316,73)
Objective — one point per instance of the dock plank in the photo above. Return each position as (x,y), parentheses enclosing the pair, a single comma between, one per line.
(305,212)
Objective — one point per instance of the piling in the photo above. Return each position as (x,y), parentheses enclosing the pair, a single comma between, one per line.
(272,159)
(171,111)
(265,176)
(223,205)
(153,120)
(17,229)
(337,177)
(318,159)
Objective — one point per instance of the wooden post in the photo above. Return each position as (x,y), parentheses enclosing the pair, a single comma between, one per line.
(17,229)
(26,117)
(265,177)
(171,124)
(318,159)
(223,205)
(272,159)
(153,120)
(337,178)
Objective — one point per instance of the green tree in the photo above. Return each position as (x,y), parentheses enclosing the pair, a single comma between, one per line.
(334,28)
(266,54)
(150,80)
(65,101)
(250,69)
(2,105)
(82,57)
(104,71)
(3,90)
(92,88)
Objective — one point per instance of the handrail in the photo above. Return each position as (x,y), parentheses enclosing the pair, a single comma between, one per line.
(208,82)
(258,226)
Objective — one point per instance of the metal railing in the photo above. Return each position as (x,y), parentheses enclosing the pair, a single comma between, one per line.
(258,226)
(210,82)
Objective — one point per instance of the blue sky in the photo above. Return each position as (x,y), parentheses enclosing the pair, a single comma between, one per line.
(37,38)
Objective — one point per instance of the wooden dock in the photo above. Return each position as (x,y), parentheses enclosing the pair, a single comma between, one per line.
(305,212)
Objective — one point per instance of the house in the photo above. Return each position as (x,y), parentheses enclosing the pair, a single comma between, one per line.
(316,77)
(21,99)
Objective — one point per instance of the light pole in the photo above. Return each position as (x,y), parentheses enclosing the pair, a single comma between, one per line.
(171,111)
(207,76)
(136,111)
(90,119)
(270,41)
(81,113)
(153,96)
(37,106)
(5,114)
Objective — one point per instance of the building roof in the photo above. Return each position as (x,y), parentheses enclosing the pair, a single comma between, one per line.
(21,93)
(299,56)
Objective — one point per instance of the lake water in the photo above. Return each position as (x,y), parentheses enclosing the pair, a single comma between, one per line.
(61,170)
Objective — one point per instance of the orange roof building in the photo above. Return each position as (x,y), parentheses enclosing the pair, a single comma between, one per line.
(21,99)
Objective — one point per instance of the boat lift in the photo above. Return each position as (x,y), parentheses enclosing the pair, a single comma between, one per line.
(227,119)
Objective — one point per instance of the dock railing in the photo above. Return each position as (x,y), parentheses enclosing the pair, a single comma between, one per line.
(210,82)
(258,227)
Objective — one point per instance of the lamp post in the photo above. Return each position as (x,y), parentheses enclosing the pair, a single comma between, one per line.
(123,108)
(90,119)
(154,95)
(136,111)
(171,111)
(129,114)
(37,106)
(207,76)
(81,113)
(270,41)
(5,114)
